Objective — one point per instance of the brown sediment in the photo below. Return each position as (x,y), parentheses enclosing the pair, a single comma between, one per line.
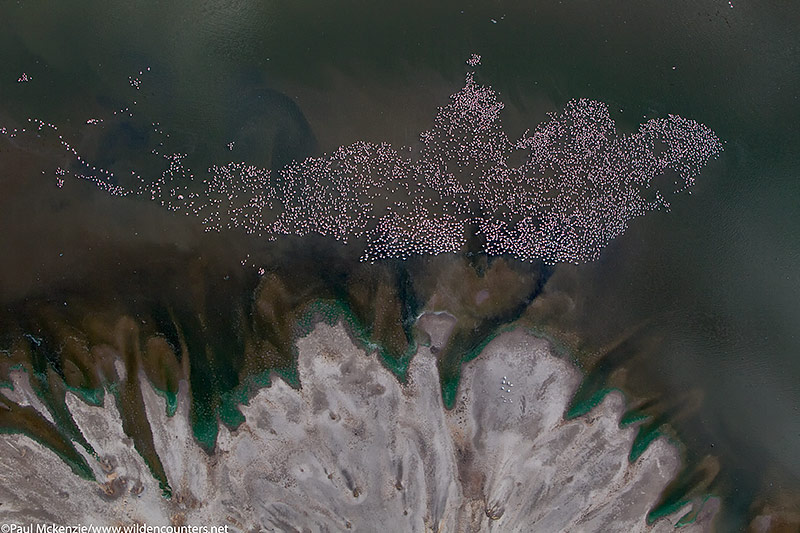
(616,348)
(123,341)
(27,420)
(776,513)
(160,363)
(38,357)
(482,295)
(375,301)
(476,295)
(276,308)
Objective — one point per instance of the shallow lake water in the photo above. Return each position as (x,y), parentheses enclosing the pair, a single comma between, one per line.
(693,312)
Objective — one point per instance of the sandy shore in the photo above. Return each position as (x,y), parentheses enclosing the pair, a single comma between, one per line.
(355,450)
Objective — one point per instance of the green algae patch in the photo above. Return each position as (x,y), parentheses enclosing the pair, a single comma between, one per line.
(5,380)
(70,456)
(691,485)
(398,366)
(688,518)
(450,371)
(15,419)
(205,427)
(676,498)
(229,412)
(590,393)
(450,390)
(330,312)
(691,516)
(170,400)
(450,380)
(631,417)
(205,415)
(262,380)
(56,437)
(290,375)
(667,509)
(131,418)
(92,397)
(646,435)
(585,400)
(51,390)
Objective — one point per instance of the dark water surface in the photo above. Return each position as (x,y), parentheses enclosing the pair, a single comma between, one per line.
(706,296)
